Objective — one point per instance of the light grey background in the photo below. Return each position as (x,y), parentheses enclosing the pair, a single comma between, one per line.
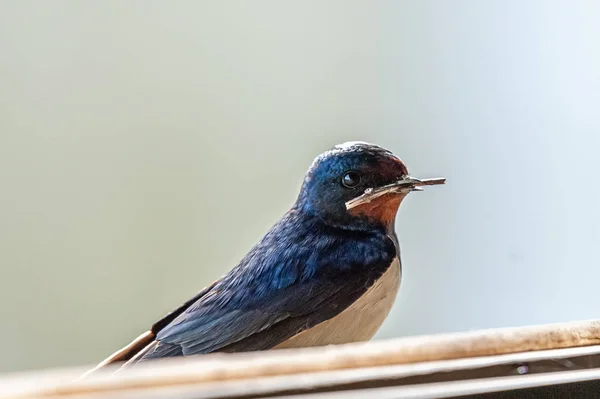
(145,146)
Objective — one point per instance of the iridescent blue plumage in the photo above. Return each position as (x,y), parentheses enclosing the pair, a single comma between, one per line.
(301,273)
(312,265)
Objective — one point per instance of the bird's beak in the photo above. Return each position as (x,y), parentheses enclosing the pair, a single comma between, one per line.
(401,187)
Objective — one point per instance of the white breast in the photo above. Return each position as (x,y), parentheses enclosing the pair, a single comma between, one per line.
(360,321)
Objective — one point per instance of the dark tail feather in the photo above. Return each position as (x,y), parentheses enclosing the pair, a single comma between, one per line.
(125,353)
(155,350)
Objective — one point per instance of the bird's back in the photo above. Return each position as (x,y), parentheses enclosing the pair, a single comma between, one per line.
(310,280)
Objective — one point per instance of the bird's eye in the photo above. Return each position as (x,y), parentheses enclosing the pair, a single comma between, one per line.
(351,179)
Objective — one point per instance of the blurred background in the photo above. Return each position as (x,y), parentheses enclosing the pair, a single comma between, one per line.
(145,146)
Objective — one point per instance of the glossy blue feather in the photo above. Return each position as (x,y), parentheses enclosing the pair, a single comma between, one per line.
(311,265)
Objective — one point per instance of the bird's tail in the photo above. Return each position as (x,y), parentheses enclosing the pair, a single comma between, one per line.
(138,345)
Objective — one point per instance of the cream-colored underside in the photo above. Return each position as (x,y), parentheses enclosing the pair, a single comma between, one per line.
(360,321)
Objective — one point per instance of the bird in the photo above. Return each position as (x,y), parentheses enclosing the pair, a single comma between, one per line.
(323,274)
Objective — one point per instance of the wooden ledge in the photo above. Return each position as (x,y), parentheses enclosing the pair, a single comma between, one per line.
(404,361)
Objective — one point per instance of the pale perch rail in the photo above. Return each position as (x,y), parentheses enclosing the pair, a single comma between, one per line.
(211,375)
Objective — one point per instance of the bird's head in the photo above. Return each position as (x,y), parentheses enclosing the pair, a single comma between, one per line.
(344,173)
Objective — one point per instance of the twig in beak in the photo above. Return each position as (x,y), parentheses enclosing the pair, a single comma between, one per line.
(405,185)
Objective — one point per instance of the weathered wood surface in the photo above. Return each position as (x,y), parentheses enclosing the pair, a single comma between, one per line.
(455,389)
(408,361)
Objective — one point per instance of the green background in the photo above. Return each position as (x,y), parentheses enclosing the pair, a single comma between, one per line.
(145,146)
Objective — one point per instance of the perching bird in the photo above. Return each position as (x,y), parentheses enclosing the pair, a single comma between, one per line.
(324,274)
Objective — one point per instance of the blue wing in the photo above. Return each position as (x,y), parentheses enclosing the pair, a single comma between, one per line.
(299,275)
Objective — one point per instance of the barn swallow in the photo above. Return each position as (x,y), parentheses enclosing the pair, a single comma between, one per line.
(326,273)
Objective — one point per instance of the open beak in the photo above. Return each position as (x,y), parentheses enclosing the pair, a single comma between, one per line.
(403,186)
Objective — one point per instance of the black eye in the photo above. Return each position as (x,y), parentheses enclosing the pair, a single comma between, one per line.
(351,179)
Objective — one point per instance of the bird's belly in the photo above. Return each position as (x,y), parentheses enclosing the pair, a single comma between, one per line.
(360,321)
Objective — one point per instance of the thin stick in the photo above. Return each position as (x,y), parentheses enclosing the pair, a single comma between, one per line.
(409,183)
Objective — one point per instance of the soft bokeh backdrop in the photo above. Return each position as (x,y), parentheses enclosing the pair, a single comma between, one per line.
(145,146)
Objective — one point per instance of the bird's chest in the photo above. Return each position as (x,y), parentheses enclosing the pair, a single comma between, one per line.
(360,321)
